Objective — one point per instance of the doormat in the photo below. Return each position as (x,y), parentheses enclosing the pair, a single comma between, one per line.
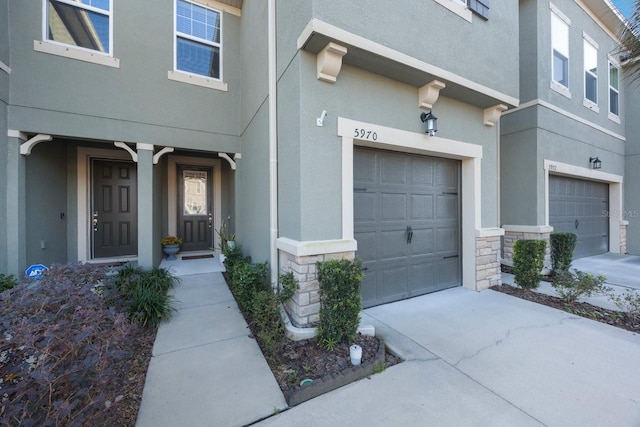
(197,256)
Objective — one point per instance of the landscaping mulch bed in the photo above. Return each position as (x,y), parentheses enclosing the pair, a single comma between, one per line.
(328,369)
(610,317)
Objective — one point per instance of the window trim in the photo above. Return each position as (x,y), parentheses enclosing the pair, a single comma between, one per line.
(613,116)
(79,53)
(193,78)
(555,85)
(590,104)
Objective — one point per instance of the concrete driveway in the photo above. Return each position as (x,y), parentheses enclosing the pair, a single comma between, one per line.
(621,270)
(487,359)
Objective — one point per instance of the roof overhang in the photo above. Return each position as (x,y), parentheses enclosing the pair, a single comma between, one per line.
(379,59)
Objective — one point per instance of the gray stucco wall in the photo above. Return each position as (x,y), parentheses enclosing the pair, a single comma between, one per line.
(632,167)
(485,52)
(46,203)
(569,135)
(134,103)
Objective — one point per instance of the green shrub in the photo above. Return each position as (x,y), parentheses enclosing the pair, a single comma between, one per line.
(265,316)
(340,301)
(572,286)
(562,247)
(233,255)
(628,303)
(288,286)
(147,293)
(7,282)
(528,259)
(248,279)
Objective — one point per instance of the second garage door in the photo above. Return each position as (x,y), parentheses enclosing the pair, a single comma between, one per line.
(407,224)
(579,206)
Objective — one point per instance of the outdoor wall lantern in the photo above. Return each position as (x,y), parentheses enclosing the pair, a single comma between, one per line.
(431,123)
(595,162)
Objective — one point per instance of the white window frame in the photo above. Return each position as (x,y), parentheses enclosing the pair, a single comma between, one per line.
(76,52)
(555,85)
(589,42)
(613,63)
(193,78)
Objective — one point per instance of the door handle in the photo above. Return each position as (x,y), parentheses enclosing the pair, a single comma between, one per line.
(210,220)
(409,234)
(95,221)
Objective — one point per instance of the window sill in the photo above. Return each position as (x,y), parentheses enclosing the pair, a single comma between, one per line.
(75,53)
(591,105)
(457,8)
(562,90)
(614,118)
(193,79)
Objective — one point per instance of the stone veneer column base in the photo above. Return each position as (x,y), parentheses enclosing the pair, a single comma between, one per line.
(623,236)
(529,232)
(301,258)
(488,247)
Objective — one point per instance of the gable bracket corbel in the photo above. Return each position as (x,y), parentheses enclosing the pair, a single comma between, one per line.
(27,146)
(232,162)
(492,114)
(165,150)
(329,62)
(134,155)
(429,93)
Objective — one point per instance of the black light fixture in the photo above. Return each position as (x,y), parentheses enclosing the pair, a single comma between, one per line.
(431,123)
(595,162)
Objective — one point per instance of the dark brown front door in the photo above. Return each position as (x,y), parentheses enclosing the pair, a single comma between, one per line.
(114,209)
(195,220)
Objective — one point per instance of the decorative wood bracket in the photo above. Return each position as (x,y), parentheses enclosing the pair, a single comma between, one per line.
(329,62)
(492,114)
(231,161)
(165,150)
(429,93)
(27,146)
(134,155)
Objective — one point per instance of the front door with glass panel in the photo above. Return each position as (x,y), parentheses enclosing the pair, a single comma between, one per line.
(195,210)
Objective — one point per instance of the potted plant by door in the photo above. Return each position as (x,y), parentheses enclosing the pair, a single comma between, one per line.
(226,240)
(171,246)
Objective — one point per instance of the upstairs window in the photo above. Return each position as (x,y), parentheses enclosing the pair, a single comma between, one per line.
(560,48)
(198,39)
(590,72)
(86,24)
(614,94)
(479,7)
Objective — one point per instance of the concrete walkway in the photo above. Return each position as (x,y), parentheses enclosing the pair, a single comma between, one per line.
(205,370)
(472,359)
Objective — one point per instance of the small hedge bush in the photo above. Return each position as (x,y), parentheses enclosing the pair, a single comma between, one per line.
(340,301)
(528,260)
(562,247)
(572,286)
(7,282)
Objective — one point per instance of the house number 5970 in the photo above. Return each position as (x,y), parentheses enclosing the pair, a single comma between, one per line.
(365,134)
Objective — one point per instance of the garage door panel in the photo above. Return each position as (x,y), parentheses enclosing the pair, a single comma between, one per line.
(364,206)
(422,172)
(446,205)
(394,206)
(577,206)
(422,242)
(393,170)
(411,195)
(394,244)
(422,206)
